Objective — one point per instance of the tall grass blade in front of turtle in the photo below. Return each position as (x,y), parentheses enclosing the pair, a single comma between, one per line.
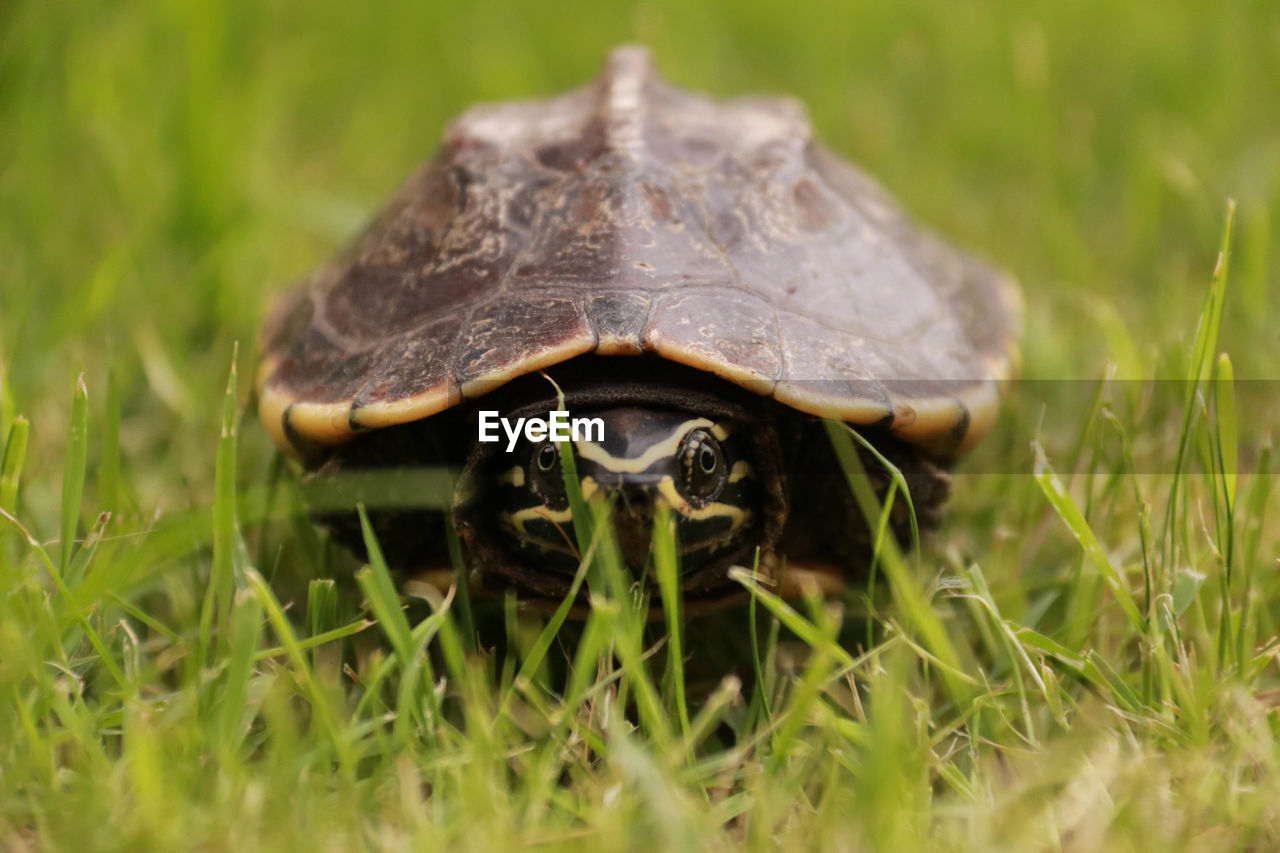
(808,631)
(907,594)
(819,634)
(632,598)
(322,612)
(665,560)
(323,715)
(608,580)
(416,699)
(762,667)
(451,645)
(380,592)
(589,540)
(462,578)
(609,590)
(806,696)
(897,484)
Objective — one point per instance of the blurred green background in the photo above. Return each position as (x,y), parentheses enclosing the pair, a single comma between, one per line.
(166,166)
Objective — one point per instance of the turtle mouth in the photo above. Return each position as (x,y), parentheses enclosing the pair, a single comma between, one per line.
(633,519)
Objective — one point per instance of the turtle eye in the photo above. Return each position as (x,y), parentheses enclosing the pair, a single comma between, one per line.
(544,472)
(702,466)
(548,458)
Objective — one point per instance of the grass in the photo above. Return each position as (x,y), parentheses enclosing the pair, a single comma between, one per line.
(1083,658)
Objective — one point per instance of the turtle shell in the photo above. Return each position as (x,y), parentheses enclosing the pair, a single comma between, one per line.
(631,217)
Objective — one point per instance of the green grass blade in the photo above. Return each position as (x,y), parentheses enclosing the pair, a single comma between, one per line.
(807,695)
(322,610)
(6,399)
(668,572)
(380,591)
(234,715)
(910,598)
(807,631)
(317,640)
(73,470)
(324,716)
(15,454)
(1254,522)
(1104,676)
(899,486)
(1199,367)
(216,607)
(537,651)
(1149,579)
(322,606)
(462,579)
(712,712)
(109,466)
(1224,461)
(763,684)
(442,607)
(1069,512)
(1228,437)
(67,599)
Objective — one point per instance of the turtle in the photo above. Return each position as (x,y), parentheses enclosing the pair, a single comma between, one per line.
(699,282)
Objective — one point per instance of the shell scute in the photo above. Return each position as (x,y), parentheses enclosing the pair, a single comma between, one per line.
(552,329)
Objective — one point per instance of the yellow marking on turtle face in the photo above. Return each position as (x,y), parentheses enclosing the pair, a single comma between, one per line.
(589,487)
(516,520)
(741,470)
(667,490)
(516,527)
(593,452)
(512,477)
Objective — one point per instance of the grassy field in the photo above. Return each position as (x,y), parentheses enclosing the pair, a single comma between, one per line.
(1083,658)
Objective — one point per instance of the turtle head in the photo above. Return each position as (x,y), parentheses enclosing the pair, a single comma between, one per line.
(639,459)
